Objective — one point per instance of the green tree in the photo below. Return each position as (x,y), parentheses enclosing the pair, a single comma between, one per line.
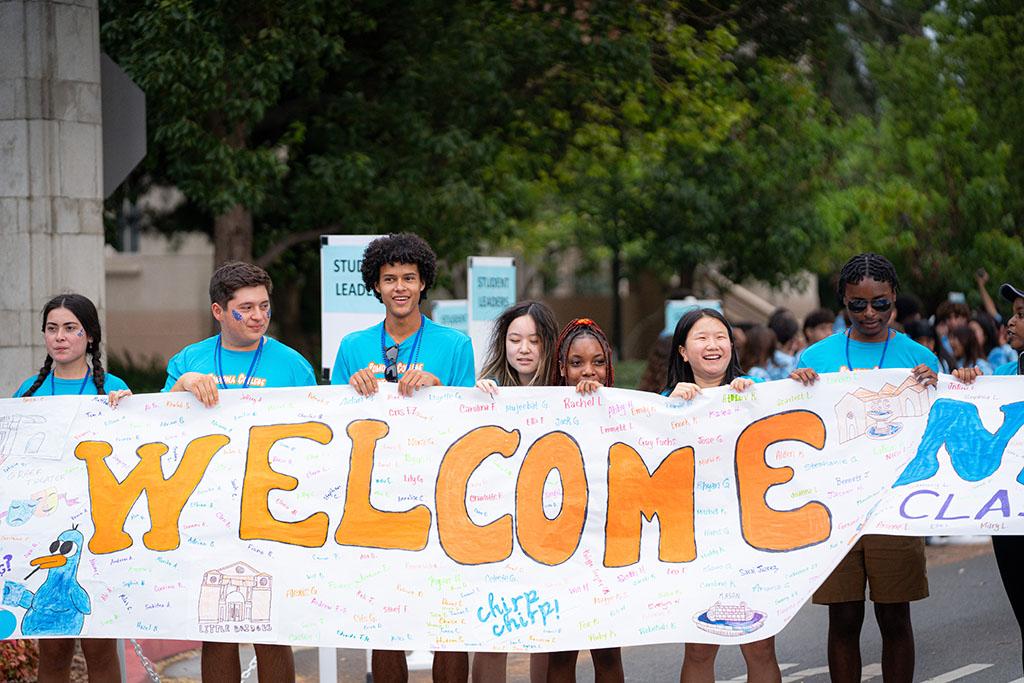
(928,183)
(222,82)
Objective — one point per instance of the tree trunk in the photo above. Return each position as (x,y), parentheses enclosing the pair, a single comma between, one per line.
(616,302)
(232,236)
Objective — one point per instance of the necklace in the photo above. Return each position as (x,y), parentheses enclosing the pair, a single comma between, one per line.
(53,382)
(881,361)
(219,364)
(415,354)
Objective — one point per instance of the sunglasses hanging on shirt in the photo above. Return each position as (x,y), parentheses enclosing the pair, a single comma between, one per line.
(391,363)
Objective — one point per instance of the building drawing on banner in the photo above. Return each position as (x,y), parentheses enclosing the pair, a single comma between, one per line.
(235,593)
(877,413)
(19,437)
(729,620)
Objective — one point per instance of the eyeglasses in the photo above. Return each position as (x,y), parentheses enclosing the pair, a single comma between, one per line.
(881,304)
(391,363)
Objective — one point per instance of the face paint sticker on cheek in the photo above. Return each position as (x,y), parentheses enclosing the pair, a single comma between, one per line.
(268,314)
(236,315)
(80,333)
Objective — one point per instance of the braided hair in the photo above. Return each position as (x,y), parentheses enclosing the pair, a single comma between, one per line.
(83,309)
(863,266)
(577,329)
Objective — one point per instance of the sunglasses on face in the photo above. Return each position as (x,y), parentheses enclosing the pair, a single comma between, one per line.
(881,304)
(391,363)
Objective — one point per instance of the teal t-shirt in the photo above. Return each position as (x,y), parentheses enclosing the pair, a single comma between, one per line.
(1007,368)
(830,354)
(443,352)
(53,386)
(279,365)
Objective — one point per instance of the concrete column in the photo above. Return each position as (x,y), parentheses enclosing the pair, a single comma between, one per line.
(51,170)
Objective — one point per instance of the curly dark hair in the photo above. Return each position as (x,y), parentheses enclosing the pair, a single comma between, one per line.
(402,247)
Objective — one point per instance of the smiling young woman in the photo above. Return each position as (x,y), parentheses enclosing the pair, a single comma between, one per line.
(706,357)
(71,332)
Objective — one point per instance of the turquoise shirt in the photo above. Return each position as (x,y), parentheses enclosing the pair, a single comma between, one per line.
(279,365)
(53,386)
(1007,368)
(829,355)
(443,352)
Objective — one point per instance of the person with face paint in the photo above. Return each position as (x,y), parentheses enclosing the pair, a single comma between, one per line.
(893,566)
(583,359)
(242,356)
(71,331)
(705,357)
(520,354)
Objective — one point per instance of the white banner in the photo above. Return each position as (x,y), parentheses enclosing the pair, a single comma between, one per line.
(450,521)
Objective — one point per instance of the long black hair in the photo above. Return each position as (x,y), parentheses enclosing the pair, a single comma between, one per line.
(83,309)
(496,365)
(679,370)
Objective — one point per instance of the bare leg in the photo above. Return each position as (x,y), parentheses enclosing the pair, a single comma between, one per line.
(844,623)
(562,666)
(897,641)
(698,663)
(450,667)
(275,663)
(489,667)
(608,665)
(762,666)
(220,662)
(539,667)
(101,660)
(389,666)
(55,659)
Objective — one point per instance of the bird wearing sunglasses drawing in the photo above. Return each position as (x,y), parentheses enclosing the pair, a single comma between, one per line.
(59,607)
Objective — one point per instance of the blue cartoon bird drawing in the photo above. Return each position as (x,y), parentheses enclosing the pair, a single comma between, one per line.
(59,607)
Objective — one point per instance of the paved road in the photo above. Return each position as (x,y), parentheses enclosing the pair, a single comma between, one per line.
(965,632)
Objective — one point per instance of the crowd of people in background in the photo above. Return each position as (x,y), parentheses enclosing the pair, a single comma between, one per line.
(877,327)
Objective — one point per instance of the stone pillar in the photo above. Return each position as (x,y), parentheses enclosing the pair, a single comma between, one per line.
(51,170)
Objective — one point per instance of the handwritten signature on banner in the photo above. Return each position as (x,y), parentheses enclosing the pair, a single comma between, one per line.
(525,523)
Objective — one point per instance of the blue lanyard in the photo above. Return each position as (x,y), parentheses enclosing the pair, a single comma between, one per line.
(414,354)
(53,382)
(881,361)
(219,364)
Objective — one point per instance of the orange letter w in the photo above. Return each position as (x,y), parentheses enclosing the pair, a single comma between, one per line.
(111,500)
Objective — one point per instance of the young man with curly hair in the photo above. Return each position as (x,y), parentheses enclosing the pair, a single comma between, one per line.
(415,352)
(406,347)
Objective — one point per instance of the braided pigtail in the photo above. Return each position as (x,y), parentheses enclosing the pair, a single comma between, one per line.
(99,375)
(44,372)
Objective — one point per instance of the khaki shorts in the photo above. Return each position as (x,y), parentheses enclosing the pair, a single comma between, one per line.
(893,566)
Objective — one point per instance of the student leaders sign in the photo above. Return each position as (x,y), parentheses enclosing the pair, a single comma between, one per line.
(541,520)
